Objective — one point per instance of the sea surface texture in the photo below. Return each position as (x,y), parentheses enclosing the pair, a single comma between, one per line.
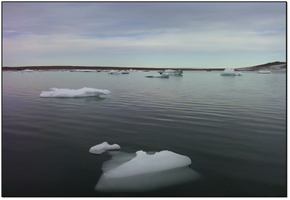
(233,129)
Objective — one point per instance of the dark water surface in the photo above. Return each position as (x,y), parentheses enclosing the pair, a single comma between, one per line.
(232,128)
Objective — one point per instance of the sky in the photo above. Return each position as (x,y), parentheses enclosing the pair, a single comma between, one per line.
(143,34)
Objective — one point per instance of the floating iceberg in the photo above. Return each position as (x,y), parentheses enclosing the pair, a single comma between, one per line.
(164,75)
(144,163)
(142,172)
(83,92)
(100,148)
(28,70)
(231,72)
(85,70)
(264,72)
(172,72)
(116,72)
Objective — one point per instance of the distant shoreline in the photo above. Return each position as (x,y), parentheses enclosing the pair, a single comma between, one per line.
(100,68)
(60,67)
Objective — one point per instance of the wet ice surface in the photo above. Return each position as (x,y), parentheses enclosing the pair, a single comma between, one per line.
(138,172)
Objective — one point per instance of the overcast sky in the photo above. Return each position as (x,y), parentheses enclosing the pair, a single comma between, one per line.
(148,34)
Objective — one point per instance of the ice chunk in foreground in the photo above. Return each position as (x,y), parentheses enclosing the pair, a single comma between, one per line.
(83,92)
(144,163)
(100,148)
(142,172)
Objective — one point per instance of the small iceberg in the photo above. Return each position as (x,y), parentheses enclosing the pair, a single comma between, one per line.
(231,72)
(100,148)
(125,72)
(83,92)
(28,70)
(264,72)
(164,75)
(115,72)
(85,70)
(143,172)
(82,70)
(171,72)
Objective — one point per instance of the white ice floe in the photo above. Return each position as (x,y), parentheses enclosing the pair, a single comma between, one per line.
(100,148)
(28,70)
(144,163)
(164,75)
(85,70)
(231,72)
(143,172)
(116,72)
(83,92)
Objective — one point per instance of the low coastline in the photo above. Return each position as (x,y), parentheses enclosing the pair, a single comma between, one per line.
(100,68)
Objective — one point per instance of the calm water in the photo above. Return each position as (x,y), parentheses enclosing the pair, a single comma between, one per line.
(232,128)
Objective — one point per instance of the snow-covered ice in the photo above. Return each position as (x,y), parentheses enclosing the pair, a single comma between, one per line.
(83,92)
(144,163)
(128,172)
(231,72)
(100,148)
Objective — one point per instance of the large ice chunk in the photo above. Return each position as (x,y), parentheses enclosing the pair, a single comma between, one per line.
(144,163)
(83,92)
(100,148)
(142,172)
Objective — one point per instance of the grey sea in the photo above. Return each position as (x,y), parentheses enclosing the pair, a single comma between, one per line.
(232,128)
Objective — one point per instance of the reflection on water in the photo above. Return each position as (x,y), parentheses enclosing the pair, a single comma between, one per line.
(147,181)
(233,129)
(76,99)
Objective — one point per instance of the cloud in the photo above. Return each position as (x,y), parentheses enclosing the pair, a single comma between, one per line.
(54,28)
(10,31)
(172,42)
(121,18)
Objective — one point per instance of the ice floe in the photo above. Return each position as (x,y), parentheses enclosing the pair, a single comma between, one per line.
(116,72)
(85,70)
(127,172)
(100,148)
(144,163)
(164,75)
(83,92)
(28,70)
(231,72)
